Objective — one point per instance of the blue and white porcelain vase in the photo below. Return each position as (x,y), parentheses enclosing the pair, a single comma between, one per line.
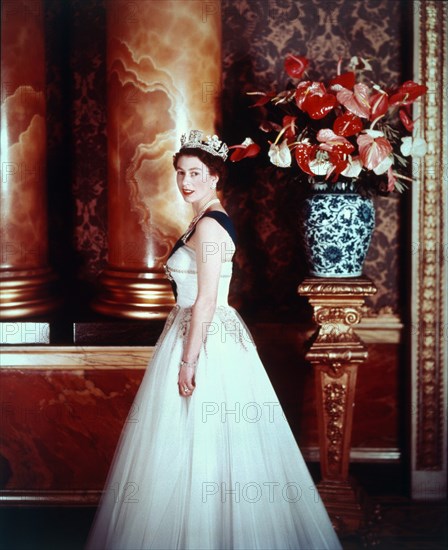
(336,230)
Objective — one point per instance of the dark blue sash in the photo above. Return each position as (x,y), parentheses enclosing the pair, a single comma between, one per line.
(223,220)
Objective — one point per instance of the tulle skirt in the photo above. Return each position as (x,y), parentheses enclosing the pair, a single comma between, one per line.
(219,470)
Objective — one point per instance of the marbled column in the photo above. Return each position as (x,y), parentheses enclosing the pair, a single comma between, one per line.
(335,353)
(25,276)
(164,71)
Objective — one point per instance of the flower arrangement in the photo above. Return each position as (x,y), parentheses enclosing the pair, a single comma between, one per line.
(338,132)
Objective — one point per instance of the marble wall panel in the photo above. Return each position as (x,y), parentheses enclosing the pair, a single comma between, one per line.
(60,428)
(380,392)
(62,409)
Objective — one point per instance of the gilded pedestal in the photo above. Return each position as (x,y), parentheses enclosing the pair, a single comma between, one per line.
(335,353)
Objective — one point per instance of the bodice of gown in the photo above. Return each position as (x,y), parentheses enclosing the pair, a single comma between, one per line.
(181,267)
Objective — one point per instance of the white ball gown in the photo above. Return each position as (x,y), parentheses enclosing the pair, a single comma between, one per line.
(220,469)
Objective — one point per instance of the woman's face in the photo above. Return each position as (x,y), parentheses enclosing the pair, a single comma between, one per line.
(194,180)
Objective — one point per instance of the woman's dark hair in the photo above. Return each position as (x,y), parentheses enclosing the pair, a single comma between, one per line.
(214,163)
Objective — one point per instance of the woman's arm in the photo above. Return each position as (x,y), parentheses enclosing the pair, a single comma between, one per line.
(209,240)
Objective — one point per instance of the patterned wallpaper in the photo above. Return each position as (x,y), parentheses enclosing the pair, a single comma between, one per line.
(263,201)
(77,143)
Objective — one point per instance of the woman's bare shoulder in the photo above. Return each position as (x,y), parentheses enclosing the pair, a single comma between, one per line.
(209,224)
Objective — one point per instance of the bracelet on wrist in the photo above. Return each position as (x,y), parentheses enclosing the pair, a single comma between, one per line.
(188,363)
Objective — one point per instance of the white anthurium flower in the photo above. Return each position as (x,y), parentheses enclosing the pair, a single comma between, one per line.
(384,165)
(280,155)
(353,169)
(248,141)
(419,147)
(355,61)
(378,88)
(406,146)
(320,167)
(413,146)
(373,133)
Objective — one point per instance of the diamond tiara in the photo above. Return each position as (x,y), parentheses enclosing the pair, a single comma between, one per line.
(211,144)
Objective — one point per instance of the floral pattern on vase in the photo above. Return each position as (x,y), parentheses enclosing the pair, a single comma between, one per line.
(336,230)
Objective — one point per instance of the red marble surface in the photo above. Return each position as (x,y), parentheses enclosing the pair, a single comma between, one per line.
(380,411)
(59,428)
(379,407)
(23,218)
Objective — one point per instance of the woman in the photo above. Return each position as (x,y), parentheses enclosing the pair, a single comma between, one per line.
(207,459)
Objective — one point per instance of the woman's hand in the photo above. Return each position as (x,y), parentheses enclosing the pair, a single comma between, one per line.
(186,380)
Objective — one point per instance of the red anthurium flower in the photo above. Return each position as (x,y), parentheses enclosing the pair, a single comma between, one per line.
(407,121)
(289,122)
(379,104)
(304,153)
(264,98)
(333,143)
(318,106)
(339,162)
(247,149)
(357,102)
(295,65)
(269,126)
(345,80)
(312,98)
(344,126)
(373,148)
(408,93)
(391,179)
(305,88)
(347,125)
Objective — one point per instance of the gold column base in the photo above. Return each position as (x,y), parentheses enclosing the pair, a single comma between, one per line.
(345,504)
(134,294)
(27,293)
